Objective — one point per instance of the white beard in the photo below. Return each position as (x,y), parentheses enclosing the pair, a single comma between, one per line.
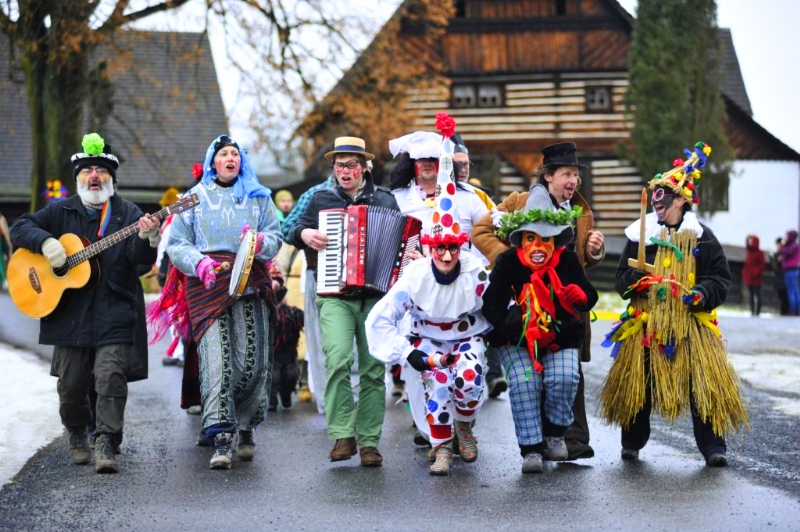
(95,199)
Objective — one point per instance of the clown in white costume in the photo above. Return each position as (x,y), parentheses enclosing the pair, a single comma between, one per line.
(431,319)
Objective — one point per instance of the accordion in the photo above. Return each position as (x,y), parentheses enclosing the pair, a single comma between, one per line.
(368,247)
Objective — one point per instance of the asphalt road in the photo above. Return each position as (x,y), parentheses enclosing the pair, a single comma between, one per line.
(164,482)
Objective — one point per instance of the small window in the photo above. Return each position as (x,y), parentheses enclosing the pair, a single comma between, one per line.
(561,7)
(598,99)
(490,96)
(463,96)
(461,8)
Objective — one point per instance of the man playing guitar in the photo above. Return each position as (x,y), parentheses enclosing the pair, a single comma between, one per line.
(94,331)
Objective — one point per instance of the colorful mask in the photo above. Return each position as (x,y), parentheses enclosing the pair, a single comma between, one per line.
(537,250)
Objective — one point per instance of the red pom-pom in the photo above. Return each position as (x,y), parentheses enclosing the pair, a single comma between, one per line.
(690,186)
(446,124)
(696,200)
(677,162)
(197,170)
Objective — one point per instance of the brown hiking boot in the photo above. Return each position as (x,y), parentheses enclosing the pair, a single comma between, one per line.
(371,457)
(104,459)
(343,449)
(79,445)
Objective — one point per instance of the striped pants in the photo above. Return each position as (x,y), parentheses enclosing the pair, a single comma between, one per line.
(559,380)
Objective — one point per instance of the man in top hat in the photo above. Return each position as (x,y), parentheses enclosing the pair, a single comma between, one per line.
(549,292)
(95,335)
(442,295)
(559,174)
(354,427)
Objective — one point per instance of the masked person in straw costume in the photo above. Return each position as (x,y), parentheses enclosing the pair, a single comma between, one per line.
(667,347)
(537,292)
(441,294)
(234,335)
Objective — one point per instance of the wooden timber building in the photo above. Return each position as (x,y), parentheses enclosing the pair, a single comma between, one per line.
(527,73)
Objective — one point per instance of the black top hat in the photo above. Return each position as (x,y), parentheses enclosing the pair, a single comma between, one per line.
(561,154)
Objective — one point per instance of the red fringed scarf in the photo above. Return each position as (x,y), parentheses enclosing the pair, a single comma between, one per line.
(171,308)
(539,308)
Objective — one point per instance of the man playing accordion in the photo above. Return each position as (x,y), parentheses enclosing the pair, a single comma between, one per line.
(354,427)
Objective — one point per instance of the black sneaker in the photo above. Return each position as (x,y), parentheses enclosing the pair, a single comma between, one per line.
(246,449)
(577,449)
(223,451)
(497,386)
(716,460)
(286,400)
(105,460)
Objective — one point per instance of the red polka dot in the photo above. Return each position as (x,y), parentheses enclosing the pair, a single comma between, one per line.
(430,420)
(469,375)
(479,289)
(416,342)
(447,220)
(451,188)
(440,377)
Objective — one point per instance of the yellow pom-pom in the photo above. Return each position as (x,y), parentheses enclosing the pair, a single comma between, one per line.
(690,280)
(644,316)
(667,262)
(696,174)
(631,310)
(687,193)
(707,150)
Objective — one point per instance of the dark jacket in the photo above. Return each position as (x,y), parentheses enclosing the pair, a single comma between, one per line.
(506,281)
(712,275)
(108,311)
(336,198)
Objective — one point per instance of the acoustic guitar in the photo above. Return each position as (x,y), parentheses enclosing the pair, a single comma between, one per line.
(38,289)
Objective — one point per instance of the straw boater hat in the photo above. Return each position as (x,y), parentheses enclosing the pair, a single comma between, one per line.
(352,145)
(684,174)
(540,217)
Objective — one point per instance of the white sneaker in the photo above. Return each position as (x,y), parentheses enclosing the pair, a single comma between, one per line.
(532,463)
(556,449)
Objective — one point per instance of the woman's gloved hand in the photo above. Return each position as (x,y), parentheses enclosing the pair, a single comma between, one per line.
(206,271)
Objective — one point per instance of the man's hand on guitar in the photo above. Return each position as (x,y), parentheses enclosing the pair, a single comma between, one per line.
(149,229)
(206,271)
(54,252)
(314,238)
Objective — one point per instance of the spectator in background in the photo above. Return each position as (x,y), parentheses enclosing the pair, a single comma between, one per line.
(284,202)
(789,255)
(753,272)
(777,278)
(286,370)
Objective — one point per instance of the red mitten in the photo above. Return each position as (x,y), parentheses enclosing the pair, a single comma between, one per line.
(573,294)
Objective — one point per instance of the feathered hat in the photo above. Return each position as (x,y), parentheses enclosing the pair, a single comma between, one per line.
(683,177)
(446,228)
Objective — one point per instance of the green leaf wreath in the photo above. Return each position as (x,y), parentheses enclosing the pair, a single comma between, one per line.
(512,221)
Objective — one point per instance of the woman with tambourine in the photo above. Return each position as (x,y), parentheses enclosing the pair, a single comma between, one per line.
(231,309)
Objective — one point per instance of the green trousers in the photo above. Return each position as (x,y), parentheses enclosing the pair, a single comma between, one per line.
(340,321)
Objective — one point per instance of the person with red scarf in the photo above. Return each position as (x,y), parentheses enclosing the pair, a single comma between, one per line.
(537,291)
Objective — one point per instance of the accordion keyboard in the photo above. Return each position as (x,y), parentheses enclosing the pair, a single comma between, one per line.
(329,261)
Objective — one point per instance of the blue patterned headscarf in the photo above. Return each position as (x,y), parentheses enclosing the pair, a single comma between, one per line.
(247,184)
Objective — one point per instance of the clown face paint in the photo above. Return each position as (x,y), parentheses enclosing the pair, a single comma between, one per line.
(426,171)
(537,250)
(349,173)
(227,163)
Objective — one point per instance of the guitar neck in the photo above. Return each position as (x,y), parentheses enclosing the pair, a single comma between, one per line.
(103,244)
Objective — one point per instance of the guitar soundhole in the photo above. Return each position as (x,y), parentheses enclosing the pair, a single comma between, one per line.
(34,279)
(61,271)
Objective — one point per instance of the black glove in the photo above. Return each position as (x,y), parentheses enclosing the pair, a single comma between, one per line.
(418,360)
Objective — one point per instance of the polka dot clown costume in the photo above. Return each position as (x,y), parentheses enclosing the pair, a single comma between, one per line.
(537,292)
(431,319)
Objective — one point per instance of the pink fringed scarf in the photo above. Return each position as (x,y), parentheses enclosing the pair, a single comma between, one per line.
(171,308)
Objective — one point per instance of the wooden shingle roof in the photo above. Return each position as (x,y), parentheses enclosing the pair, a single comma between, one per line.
(166,108)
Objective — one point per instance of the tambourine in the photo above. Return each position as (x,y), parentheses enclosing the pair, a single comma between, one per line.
(243,263)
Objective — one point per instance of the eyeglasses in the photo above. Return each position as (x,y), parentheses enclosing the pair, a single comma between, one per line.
(101,172)
(661,196)
(352,164)
(452,248)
